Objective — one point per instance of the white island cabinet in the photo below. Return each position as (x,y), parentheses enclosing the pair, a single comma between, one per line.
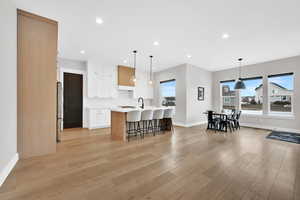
(98,118)
(118,121)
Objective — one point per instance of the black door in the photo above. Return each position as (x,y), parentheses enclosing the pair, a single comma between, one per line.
(72,100)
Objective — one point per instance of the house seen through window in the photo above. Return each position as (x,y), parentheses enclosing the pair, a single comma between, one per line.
(281,89)
(228,94)
(252,96)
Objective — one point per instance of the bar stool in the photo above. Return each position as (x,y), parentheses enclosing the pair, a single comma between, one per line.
(158,115)
(168,115)
(147,116)
(134,117)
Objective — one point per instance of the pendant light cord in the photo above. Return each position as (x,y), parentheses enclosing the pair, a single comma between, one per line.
(240,71)
(134,61)
(240,68)
(151,57)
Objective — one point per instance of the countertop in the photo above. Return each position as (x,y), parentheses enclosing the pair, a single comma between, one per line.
(125,110)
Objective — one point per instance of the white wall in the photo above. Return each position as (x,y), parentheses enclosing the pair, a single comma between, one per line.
(197,77)
(8,87)
(178,73)
(264,69)
(189,111)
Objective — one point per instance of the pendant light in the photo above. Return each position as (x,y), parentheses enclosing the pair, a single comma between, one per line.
(240,85)
(151,77)
(134,65)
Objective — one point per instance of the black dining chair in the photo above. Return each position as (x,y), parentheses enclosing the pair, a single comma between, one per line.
(237,120)
(212,123)
(232,119)
(225,123)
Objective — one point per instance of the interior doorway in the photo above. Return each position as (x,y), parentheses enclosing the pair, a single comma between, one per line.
(72,100)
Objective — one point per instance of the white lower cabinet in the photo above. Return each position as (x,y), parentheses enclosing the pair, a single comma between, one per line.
(98,118)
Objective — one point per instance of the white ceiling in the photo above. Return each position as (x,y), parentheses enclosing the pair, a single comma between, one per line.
(260,30)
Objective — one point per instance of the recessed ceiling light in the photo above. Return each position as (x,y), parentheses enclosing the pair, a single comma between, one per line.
(156,43)
(125,61)
(82,51)
(99,20)
(188,56)
(225,36)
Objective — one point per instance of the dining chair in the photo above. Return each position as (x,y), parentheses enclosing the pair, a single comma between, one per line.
(237,120)
(212,123)
(232,118)
(225,123)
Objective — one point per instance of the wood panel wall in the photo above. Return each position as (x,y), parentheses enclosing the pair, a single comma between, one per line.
(37,57)
(125,75)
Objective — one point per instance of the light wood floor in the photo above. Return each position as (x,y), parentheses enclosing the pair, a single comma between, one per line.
(191,164)
(76,133)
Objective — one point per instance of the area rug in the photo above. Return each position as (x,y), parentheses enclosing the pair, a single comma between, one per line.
(285,136)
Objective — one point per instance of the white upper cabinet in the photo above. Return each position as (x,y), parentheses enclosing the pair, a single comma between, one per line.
(142,86)
(100,81)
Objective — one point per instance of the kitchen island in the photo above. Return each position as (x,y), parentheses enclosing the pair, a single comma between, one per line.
(118,121)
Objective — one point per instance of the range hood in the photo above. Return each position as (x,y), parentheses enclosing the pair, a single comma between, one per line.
(125,78)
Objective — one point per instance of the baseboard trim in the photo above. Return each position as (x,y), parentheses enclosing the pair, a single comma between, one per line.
(190,124)
(8,168)
(96,127)
(270,128)
(242,124)
(179,124)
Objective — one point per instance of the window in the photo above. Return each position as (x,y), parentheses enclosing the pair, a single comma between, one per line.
(228,94)
(281,90)
(252,96)
(168,92)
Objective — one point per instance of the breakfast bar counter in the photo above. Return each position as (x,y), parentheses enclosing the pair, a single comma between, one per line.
(118,120)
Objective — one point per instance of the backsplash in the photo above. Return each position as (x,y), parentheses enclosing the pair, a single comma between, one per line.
(124,98)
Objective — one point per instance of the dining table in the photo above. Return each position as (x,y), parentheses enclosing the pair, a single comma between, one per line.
(221,116)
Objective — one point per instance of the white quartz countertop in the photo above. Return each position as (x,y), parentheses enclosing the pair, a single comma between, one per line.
(124,110)
(98,108)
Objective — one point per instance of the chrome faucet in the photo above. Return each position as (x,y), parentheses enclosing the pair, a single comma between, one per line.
(143,105)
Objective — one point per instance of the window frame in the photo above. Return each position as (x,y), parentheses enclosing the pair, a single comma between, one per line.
(166,81)
(266,108)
